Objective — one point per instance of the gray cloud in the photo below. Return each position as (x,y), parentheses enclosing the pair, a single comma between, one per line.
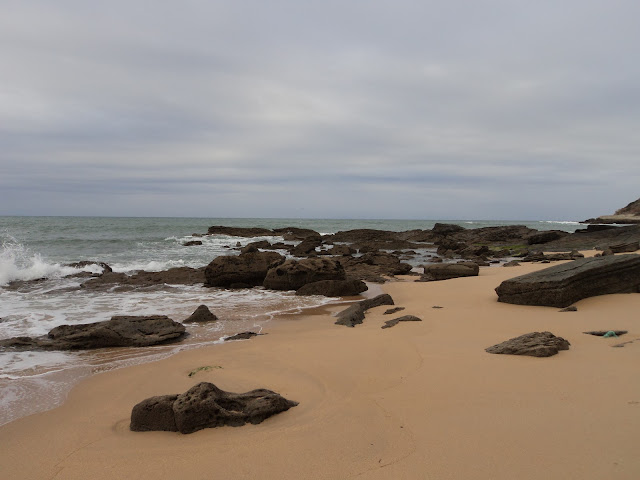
(497,109)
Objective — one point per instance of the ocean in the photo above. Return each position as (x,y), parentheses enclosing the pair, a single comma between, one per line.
(40,248)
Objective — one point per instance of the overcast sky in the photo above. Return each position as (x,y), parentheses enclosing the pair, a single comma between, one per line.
(496,109)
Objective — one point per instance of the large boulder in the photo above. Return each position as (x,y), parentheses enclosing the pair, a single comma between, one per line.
(536,344)
(120,331)
(206,406)
(445,271)
(333,288)
(563,285)
(247,268)
(293,274)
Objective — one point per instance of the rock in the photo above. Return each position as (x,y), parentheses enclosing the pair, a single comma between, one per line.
(293,274)
(294,233)
(445,271)
(536,344)
(563,285)
(306,247)
(394,321)
(333,288)
(240,231)
(242,336)
(200,315)
(206,406)
(120,331)
(570,309)
(247,268)
(393,310)
(546,237)
(602,333)
(344,250)
(85,263)
(192,243)
(512,263)
(625,247)
(373,265)
(446,228)
(173,276)
(354,315)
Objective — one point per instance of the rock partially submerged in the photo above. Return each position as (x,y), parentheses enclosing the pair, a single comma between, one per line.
(247,269)
(563,285)
(201,314)
(120,331)
(206,406)
(536,344)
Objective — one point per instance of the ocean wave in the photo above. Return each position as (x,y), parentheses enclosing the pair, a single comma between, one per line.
(561,222)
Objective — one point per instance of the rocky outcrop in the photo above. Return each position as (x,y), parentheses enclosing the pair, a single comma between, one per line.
(598,239)
(371,266)
(192,243)
(173,276)
(406,318)
(563,285)
(295,233)
(247,268)
(625,215)
(536,344)
(625,247)
(120,331)
(293,274)
(445,271)
(307,247)
(201,314)
(240,231)
(242,336)
(354,314)
(333,288)
(206,406)
(546,237)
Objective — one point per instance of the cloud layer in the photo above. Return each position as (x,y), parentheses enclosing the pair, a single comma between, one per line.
(361,109)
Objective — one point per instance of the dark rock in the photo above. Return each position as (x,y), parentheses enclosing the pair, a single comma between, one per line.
(333,288)
(446,228)
(512,263)
(248,268)
(200,315)
(192,243)
(294,233)
(598,239)
(536,344)
(546,237)
(354,315)
(625,247)
(607,252)
(85,263)
(293,274)
(341,250)
(373,265)
(394,321)
(563,285)
(446,271)
(240,231)
(602,333)
(173,276)
(242,336)
(570,309)
(307,246)
(120,331)
(393,310)
(206,406)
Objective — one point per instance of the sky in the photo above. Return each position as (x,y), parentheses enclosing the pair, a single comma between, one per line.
(476,109)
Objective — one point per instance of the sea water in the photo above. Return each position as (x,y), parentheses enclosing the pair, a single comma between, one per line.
(38,251)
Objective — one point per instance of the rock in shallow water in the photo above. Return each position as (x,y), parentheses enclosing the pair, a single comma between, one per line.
(206,406)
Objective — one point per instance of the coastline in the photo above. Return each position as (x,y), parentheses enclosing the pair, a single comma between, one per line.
(420,400)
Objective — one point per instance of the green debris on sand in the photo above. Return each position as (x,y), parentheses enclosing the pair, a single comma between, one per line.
(609,334)
(203,369)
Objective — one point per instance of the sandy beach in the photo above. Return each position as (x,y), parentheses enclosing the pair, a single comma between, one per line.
(422,400)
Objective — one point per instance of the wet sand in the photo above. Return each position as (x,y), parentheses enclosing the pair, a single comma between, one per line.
(419,400)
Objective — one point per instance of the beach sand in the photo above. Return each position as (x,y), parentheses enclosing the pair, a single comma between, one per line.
(421,400)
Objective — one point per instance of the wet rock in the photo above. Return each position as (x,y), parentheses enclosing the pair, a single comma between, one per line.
(306,247)
(247,268)
(295,233)
(120,331)
(206,406)
(293,274)
(201,314)
(394,321)
(333,288)
(563,285)
(192,243)
(85,263)
(240,231)
(173,276)
(536,344)
(242,336)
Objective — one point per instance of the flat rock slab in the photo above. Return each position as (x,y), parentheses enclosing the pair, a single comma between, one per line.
(406,318)
(120,331)
(602,333)
(206,406)
(242,336)
(536,344)
(354,314)
(562,285)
